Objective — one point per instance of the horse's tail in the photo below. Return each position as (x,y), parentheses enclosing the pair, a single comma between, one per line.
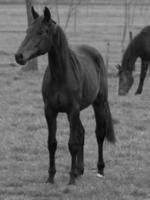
(109,128)
(107,117)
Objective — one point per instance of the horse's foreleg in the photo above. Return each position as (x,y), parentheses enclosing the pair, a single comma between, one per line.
(52,142)
(80,155)
(73,143)
(144,67)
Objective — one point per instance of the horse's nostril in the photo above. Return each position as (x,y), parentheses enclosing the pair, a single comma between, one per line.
(19,58)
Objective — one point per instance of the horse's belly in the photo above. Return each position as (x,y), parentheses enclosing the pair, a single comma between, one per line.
(90,92)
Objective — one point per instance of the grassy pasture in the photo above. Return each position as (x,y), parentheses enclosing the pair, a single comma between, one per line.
(23,131)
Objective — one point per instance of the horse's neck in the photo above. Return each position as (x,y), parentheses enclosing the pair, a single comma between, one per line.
(129,57)
(58,64)
(59,57)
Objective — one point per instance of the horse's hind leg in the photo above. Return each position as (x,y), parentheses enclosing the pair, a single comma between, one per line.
(52,143)
(100,134)
(80,154)
(144,67)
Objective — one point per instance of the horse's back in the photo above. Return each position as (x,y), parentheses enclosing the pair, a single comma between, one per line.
(145,35)
(145,30)
(141,43)
(99,64)
(90,53)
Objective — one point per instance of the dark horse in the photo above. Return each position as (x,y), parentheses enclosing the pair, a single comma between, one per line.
(138,47)
(74,79)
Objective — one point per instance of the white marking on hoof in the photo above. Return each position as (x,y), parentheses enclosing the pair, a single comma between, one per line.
(99,175)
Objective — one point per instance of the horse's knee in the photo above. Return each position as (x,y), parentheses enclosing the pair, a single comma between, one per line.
(100,133)
(73,148)
(76,144)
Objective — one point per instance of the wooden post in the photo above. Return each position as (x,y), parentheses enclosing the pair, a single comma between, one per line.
(130,36)
(130,39)
(32,64)
(107,55)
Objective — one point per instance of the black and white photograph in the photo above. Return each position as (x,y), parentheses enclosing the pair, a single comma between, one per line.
(74,100)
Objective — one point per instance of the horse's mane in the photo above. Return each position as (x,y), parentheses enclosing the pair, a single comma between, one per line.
(59,54)
(61,41)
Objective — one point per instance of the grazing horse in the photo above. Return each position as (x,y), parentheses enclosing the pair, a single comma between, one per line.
(74,79)
(139,47)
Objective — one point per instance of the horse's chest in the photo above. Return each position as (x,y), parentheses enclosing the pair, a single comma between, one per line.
(58,101)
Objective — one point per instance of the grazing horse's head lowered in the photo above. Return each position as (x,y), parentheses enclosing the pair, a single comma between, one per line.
(38,39)
(125,80)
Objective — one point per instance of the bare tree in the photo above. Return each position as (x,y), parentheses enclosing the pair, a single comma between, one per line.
(126,16)
(129,14)
(107,55)
(72,11)
(73,7)
(32,64)
(57,12)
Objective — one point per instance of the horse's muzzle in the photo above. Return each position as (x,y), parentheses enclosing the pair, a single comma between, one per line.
(19,59)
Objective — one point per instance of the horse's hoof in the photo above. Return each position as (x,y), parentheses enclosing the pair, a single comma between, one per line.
(138,92)
(80,172)
(100,175)
(50,180)
(72,181)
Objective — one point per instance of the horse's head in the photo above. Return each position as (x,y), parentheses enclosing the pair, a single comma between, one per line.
(38,39)
(125,80)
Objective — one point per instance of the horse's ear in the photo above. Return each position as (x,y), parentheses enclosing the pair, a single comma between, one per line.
(34,13)
(47,14)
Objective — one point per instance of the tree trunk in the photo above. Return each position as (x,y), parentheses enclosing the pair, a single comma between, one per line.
(32,64)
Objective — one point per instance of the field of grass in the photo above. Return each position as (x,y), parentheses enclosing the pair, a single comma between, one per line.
(23,130)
